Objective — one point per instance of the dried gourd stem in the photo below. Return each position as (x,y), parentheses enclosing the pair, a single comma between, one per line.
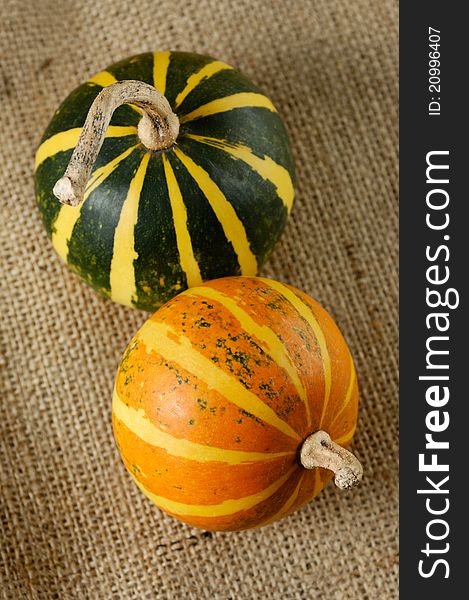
(318,450)
(157,129)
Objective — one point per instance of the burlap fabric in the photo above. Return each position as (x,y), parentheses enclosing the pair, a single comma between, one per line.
(73,523)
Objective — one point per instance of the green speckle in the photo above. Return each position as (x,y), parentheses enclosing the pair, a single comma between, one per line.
(268,391)
(241,357)
(202,403)
(136,470)
(202,323)
(207,304)
(191,421)
(180,378)
(251,416)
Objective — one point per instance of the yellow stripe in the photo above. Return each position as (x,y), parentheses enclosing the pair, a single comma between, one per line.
(104,78)
(225,213)
(141,426)
(265,167)
(66,140)
(69,215)
(194,80)
(286,507)
(183,239)
(155,337)
(160,70)
(345,439)
(241,100)
(348,394)
(122,273)
(308,315)
(228,507)
(271,345)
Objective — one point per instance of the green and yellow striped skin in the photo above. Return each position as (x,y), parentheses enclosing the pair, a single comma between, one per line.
(216,393)
(154,223)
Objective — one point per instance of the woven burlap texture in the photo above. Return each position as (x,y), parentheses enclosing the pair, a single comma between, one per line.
(73,523)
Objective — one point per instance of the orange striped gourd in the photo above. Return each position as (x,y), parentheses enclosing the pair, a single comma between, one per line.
(216,394)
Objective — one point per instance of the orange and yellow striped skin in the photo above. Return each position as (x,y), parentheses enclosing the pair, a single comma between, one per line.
(216,393)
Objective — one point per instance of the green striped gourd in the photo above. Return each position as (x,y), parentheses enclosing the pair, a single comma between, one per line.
(193,180)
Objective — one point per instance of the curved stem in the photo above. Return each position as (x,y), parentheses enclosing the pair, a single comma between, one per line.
(157,129)
(318,450)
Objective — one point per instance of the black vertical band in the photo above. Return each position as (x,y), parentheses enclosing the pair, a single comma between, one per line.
(434,267)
